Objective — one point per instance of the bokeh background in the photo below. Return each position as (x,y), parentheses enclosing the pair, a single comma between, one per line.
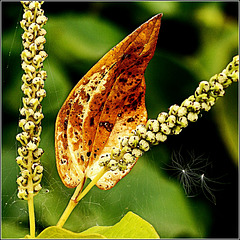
(196,40)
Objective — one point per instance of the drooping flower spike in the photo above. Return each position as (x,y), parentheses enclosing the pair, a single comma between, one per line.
(172,122)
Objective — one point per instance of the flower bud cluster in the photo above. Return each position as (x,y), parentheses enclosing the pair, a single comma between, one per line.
(32,57)
(171,122)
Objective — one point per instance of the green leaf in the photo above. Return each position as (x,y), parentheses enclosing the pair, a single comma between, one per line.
(85,37)
(56,232)
(130,226)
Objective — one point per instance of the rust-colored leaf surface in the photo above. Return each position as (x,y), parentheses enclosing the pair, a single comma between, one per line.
(105,105)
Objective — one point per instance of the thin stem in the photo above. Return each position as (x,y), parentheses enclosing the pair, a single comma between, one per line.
(71,205)
(92,183)
(77,196)
(31,214)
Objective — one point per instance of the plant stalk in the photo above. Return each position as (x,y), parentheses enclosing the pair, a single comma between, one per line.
(77,196)
(31,214)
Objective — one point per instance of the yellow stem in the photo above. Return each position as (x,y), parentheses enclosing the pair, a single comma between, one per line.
(92,183)
(31,212)
(77,196)
(71,205)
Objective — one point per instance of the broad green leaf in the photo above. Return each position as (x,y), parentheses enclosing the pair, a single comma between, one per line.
(85,37)
(130,226)
(56,232)
(16,228)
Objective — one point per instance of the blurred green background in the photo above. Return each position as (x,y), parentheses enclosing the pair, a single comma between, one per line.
(196,40)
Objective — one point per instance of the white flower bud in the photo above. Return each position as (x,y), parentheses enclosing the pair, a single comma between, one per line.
(37,188)
(104,160)
(133,141)
(181,111)
(41,93)
(162,117)
(38,153)
(41,20)
(128,158)
(160,137)
(115,152)
(40,40)
(152,125)
(165,129)
(29,125)
(137,152)
(176,130)
(144,145)
(34,5)
(150,136)
(112,165)
(122,165)
(173,109)
(222,78)
(193,117)
(205,106)
(141,130)
(183,121)
(171,120)
(31,146)
(33,28)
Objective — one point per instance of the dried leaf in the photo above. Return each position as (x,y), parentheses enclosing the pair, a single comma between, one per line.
(105,105)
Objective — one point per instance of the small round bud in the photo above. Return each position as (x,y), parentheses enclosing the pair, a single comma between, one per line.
(40,40)
(173,109)
(38,153)
(141,130)
(193,117)
(183,121)
(181,111)
(115,152)
(133,141)
(112,165)
(31,146)
(41,93)
(33,28)
(150,137)
(205,106)
(152,125)
(176,130)
(29,125)
(160,137)
(196,106)
(41,20)
(22,122)
(37,188)
(104,160)
(22,194)
(171,120)
(204,86)
(122,165)
(144,145)
(23,151)
(42,32)
(137,152)
(165,129)
(128,158)
(222,78)
(162,117)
